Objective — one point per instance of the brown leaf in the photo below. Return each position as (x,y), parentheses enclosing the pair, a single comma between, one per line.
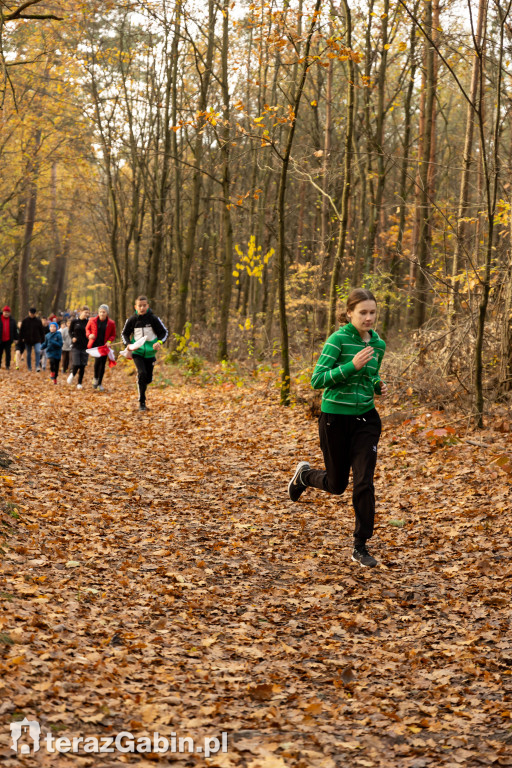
(262,692)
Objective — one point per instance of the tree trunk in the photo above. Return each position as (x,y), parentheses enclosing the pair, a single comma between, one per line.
(425,230)
(404,173)
(56,262)
(415,247)
(347,175)
(30,218)
(369,193)
(227,278)
(176,229)
(325,229)
(57,282)
(190,240)
(281,266)
(492,178)
(462,239)
(377,145)
(164,161)
(505,382)
(505,376)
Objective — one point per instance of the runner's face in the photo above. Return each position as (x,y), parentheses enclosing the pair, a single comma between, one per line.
(363,316)
(102,314)
(84,314)
(141,307)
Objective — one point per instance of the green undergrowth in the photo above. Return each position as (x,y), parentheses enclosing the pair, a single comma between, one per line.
(197,370)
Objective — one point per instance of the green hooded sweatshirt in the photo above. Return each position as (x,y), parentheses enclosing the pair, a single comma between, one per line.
(347,390)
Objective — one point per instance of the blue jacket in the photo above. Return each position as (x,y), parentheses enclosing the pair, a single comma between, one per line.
(53,345)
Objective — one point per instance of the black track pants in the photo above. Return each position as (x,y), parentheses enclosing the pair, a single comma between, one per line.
(54,367)
(349,442)
(5,346)
(144,367)
(80,369)
(99,368)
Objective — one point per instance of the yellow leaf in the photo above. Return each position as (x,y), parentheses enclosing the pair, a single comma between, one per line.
(288,648)
(43,686)
(149,713)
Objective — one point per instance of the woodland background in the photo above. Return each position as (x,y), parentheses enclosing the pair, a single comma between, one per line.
(246,163)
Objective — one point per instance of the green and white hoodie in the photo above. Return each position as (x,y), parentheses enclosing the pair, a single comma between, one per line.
(347,390)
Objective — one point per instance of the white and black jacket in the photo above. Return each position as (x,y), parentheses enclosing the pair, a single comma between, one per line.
(148,325)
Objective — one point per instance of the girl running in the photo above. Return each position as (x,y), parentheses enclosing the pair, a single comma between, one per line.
(100,331)
(349,425)
(79,356)
(66,344)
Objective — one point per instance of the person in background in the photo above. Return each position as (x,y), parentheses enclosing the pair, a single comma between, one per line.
(147,333)
(66,344)
(19,350)
(53,346)
(44,321)
(32,335)
(9,333)
(100,331)
(79,356)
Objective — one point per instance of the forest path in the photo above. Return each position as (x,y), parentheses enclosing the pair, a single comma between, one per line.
(159,579)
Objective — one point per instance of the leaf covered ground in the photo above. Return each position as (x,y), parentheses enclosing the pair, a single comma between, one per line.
(156,577)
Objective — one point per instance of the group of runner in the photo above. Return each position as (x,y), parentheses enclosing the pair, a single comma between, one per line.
(73,340)
(348,370)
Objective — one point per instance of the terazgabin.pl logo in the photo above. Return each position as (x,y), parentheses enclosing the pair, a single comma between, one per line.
(26,738)
(23,729)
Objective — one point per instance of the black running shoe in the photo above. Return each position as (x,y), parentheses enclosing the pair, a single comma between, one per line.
(296,487)
(142,407)
(362,556)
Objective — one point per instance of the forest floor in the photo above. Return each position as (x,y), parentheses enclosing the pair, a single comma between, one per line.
(155,577)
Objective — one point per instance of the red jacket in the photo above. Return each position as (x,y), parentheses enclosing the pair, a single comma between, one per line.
(92,327)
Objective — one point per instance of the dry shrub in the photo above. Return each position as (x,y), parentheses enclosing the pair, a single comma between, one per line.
(439,367)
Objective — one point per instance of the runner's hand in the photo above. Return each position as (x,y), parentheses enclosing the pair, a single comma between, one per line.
(383,389)
(156,345)
(362,357)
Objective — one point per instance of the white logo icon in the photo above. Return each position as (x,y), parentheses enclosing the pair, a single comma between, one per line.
(21,729)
